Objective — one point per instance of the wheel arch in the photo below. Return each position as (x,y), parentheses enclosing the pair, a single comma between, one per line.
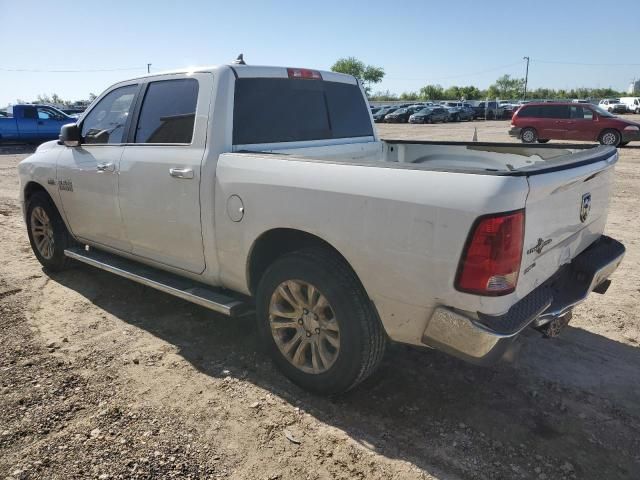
(274,243)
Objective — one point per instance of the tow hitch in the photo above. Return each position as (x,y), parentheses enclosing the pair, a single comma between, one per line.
(553,328)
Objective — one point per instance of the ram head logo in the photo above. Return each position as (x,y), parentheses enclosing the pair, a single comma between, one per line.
(585,207)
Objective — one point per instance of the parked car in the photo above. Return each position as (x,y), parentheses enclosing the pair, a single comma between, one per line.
(430,115)
(508,108)
(541,122)
(224,204)
(32,123)
(613,105)
(401,115)
(378,117)
(632,103)
(487,110)
(459,111)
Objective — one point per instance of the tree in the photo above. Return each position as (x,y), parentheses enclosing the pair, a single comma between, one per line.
(506,87)
(432,92)
(366,74)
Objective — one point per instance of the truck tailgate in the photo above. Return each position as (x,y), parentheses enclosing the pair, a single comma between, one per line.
(566,211)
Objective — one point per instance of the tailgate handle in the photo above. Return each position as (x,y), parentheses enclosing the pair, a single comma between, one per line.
(181,172)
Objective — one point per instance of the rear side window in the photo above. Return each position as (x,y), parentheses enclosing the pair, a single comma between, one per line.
(274,110)
(544,111)
(168,112)
(30,112)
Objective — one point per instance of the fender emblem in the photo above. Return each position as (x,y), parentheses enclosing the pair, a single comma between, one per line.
(66,185)
(539,246)
(585,207)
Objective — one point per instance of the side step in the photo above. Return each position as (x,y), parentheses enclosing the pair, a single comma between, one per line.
(204,295)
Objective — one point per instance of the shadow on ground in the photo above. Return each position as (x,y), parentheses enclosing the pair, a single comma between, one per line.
(574,398)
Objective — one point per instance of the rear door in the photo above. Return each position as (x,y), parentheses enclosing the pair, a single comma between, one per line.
(27,122)
(159,180)
(555,124)
(566,210)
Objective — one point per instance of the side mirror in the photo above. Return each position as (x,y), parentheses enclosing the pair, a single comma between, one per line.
(70,135)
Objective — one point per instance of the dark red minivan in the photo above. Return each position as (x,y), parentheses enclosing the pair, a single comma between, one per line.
(541,122)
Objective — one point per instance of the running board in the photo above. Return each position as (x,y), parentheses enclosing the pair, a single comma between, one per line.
(195,292)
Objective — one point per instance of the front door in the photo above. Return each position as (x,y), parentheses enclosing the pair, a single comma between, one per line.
(50,121)
(583,125)
(159,181)
(87,175)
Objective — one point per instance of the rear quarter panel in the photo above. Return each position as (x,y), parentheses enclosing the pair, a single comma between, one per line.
(401,230)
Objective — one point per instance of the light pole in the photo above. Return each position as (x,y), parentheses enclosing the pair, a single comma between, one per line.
(526,78)
(148,68)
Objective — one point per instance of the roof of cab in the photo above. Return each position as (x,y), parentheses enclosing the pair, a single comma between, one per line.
(255,71)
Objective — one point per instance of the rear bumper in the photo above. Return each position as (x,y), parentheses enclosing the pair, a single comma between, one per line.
(484,339)
(515,132)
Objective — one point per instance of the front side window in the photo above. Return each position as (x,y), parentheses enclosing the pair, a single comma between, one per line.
(580,113)
(168,112)
(49,114)
(105,123)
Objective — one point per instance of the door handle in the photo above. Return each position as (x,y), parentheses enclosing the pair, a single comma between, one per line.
(105,167)
(181,172)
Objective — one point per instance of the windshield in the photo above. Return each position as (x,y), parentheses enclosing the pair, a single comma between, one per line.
(602,112)
(424,111)
(400,110)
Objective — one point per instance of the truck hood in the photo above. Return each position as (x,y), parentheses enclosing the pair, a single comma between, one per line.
(47,146)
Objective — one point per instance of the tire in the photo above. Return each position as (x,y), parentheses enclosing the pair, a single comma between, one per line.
(47,232)
(529,135)
(545,140)
(610,137)
(348,315)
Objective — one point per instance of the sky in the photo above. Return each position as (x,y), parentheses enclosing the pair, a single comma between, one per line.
(460,42)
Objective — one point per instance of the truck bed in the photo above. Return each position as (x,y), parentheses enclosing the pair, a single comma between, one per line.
(506,159)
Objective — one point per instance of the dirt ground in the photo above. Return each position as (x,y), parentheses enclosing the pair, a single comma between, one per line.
(103,378)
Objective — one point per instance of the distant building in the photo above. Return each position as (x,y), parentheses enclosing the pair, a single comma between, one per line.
(634,88)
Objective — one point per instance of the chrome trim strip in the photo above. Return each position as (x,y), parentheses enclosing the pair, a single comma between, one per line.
(224,308)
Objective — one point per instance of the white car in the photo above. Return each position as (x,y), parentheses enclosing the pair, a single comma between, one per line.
(244,188)
(632,103)
(613,105)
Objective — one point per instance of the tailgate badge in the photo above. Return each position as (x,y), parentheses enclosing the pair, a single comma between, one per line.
(539,246)
(585,207)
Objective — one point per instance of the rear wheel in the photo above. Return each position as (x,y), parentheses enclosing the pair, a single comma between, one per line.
(529,135)
(47,232)
(610,137)
(317,322)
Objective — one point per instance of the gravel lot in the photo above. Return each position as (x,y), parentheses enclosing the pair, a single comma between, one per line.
(104,378)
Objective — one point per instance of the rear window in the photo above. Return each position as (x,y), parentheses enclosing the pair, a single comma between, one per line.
(274,110)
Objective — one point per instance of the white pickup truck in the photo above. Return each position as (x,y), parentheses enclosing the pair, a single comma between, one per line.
(245,188)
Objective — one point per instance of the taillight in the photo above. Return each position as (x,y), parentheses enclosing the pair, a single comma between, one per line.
(304,73)
(491,260)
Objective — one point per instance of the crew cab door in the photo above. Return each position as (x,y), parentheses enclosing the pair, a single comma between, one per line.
(27,122)
(87,175)
(159,184)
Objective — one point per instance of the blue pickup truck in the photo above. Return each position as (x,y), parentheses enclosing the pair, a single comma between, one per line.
(32,123)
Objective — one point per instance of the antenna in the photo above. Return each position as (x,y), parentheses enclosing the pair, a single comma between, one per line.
(239,60)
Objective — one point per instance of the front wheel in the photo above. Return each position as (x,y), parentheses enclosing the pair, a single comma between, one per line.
(610,137)
(529,135)
(317,322)
(47,232)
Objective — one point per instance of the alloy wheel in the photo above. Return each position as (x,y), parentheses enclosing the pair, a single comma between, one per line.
(304,326)
(42,232)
